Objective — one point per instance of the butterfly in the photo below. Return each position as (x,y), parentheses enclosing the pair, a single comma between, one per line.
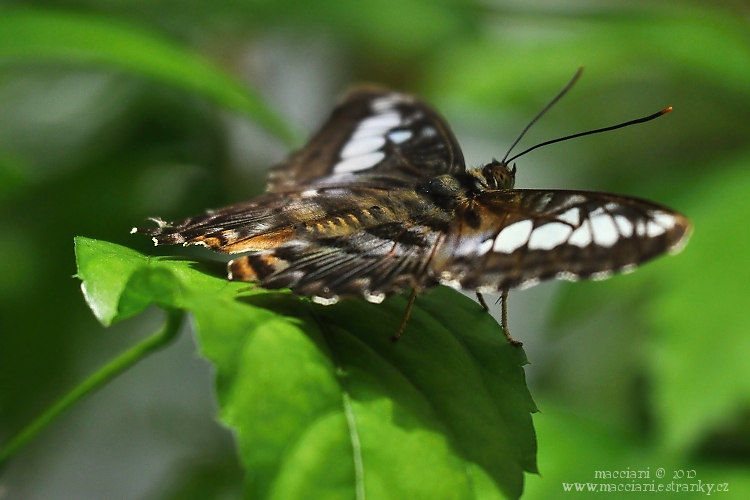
(380,201)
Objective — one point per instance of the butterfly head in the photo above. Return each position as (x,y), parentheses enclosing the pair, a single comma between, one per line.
(498,175)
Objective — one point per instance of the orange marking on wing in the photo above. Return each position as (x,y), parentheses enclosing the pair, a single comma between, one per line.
(241,270)
(255,267)
(267,241)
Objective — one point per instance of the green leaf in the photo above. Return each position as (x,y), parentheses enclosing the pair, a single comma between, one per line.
(323,403)
(48,36)
(104,270)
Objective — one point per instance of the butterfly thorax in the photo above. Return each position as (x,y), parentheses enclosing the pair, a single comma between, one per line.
(447,190)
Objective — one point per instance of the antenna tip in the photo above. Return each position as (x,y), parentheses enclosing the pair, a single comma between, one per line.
(666,110)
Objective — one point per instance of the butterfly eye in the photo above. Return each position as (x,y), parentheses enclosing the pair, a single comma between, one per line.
(498,175)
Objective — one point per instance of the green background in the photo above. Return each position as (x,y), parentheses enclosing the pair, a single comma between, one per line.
(113,111)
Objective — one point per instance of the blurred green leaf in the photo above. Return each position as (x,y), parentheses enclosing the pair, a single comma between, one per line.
(513,68)
(701,317)
(13,177)
(324,405)
(573,448)
(393,29)
(48,36)
(577,301)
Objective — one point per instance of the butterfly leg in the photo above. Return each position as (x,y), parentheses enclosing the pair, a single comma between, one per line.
(409,305)
(504,320)
(482,302)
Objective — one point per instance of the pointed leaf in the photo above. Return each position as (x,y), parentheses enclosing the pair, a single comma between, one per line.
(324,404)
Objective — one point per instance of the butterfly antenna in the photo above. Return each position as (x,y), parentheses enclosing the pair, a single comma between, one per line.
(596,131)
(544,110)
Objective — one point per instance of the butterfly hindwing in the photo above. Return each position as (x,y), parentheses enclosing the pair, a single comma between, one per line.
(372,263)
(511,238)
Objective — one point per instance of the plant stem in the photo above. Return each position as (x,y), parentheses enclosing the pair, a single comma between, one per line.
(114,368)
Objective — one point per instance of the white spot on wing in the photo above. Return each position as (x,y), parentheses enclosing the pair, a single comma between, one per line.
(665,220)
(567,276)
(365,133)
(572,216)
(375,298)
(386,102)
(513,237)
(627,268)
(428,132)
(549,236)
(528,284)
(581,237)
(545,199)
(604,230)
(653,229)
(399,136)
(309,193)
(358,163)
(611,206)
(575,199)
(596,211)
(601,275)
(453,283)
(358,147)
(624,225)
(383,121)
(485,246)
(466,246)
(325,301)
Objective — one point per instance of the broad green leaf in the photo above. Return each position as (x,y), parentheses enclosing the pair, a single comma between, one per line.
(48,36)
(323,403)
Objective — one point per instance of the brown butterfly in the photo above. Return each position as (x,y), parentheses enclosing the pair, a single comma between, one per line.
(380,201)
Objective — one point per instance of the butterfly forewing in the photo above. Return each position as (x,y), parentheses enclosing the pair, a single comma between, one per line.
(377,137)
(506,239)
